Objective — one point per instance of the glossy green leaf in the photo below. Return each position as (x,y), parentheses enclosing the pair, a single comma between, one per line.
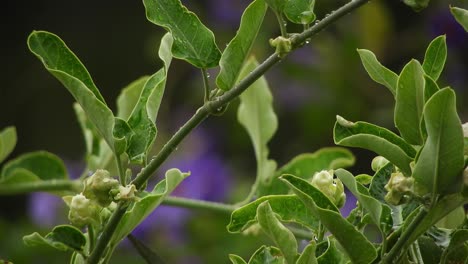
(63,237)
(128,97)
(239,47)
(430,87)
(277,5)
(332,254)
(288,207)
(40,165)
(458,242)
(434,60)
(98,153)
(147,203)
(461,15)
(308,254)
(7,142)
(442,208)
(380,179)
(300,11)
(354,243)
(306,165)
(143,116)
(375,138)
(453,220)
(236,259)
(377,71)
(256,114)
(193,41)
(65,66)
(379,213)
(282,237)
(364,179)
(264,254)
(410,102)
(430,252)
(440,162)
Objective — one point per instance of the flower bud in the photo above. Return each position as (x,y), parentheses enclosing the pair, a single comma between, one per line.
(378,163)
(125,193)
(397,187)
(83,211)
(283,45)
(98,187)
(333,189)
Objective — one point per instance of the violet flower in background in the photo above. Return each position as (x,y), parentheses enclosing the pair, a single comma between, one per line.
(208,180)
(45,209)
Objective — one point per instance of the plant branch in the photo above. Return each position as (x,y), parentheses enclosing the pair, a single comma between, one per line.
(208,108)
(206,85)
(41,186)
(402,241)
(107,233)
(199,204)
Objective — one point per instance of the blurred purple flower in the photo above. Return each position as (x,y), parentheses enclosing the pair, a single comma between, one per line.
(208,181)
(444,23)
(350,204)
(227,12)
(45,208)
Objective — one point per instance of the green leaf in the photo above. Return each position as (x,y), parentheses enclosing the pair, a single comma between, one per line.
(39,165)
(129,96)
(453,220)
(440,162)
(288,207)
(430,87)
(354,243)
(442,208)
(435,57)
(277,5)
(306,165)
(379,213)
(147,203)
(63,237)
(193,41)
(282,236)
(7,142)
(300,11)
(66,67)
(332,254)
(380,179)
(461,15)
(430,252)
(236,259)
(98,153)
(308,254)
(377,71)
(410,102)
(264,254)
(256,114)
(143,116)
(239,47)
(375,138)
(458,242)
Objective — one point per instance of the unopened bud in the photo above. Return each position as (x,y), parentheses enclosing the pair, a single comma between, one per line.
(397,187)
(98,187)
(283,45)
(83,211)
(332,188)
(126,193)
(378,163)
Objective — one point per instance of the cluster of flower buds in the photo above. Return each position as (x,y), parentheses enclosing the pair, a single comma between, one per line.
(97,200)
(332,188)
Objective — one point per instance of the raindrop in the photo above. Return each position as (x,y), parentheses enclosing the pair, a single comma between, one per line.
(208,75)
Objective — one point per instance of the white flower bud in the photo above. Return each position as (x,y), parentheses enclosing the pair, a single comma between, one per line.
(378,162)
(98,187)
(397,187)
(126,193)
(333,189)
(83,211)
